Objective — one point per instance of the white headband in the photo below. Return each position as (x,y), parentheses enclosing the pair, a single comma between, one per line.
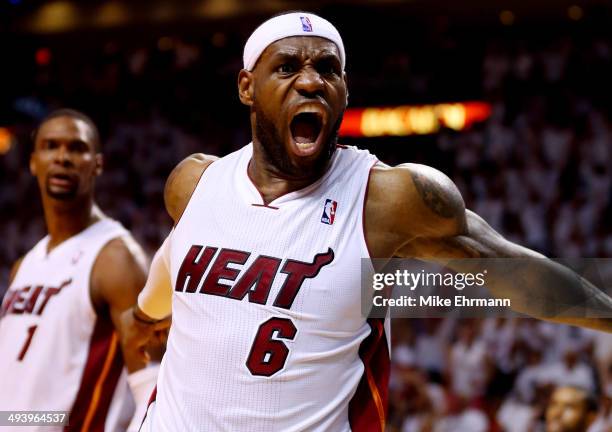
(287,25)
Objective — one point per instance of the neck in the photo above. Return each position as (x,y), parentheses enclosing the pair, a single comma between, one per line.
(270,181)
(66,219)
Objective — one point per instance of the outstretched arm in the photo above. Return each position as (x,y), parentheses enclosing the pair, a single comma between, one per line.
(429,221)
(537,286)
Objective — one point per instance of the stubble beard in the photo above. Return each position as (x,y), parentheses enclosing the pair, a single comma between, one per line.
(274,150)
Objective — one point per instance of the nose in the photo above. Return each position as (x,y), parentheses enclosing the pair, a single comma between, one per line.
(309,83)
(62,155)
(553,413)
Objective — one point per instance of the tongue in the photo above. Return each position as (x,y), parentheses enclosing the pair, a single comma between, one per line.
(304,131)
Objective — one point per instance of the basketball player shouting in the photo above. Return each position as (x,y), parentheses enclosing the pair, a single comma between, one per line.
(59,348)
(262,270)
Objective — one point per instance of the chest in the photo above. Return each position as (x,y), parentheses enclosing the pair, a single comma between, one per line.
(303,259)
(48,285)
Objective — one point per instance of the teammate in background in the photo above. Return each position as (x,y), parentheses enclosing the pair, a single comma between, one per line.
(262,269)
(570,409)
(60,321)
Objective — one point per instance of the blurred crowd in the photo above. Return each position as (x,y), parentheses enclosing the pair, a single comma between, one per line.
(492,374)
(539,171)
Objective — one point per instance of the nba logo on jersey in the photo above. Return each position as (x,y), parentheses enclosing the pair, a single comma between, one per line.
(306,25)
(329,212)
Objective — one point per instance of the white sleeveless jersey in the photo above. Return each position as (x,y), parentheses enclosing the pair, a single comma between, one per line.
(267,332)
(55,353)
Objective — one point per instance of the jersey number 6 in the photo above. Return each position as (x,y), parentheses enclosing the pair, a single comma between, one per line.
(268,355)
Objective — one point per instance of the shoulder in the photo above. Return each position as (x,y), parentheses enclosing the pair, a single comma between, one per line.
(182,182)
(15,269)
(119,271)
(418,199)
(120,254)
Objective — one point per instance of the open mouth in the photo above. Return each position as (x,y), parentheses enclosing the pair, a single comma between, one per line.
(306,129)
(61,180)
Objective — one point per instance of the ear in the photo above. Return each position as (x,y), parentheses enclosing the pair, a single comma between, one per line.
(245,87)
(344,78)
(99,163)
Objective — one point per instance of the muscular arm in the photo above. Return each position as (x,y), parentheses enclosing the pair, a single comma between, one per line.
(118,276)
(427,219)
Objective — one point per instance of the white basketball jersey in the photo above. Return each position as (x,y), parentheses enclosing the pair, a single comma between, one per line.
(56,354)
(267,332)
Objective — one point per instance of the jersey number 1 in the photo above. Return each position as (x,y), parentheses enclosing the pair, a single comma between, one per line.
(27,342)
(268,355)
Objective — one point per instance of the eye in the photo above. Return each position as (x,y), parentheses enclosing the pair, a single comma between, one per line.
(50,144)
(328,68)
(286,68)
(78,146)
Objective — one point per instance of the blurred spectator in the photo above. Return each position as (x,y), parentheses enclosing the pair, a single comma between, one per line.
(570,409)
(468,362)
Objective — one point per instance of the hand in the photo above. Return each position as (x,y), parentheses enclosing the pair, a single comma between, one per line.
(138,331)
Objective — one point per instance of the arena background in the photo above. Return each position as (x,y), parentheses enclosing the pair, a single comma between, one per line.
(159,78)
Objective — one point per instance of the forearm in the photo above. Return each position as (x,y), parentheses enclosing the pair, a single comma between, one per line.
(436,226)
(536,285)
(547,290)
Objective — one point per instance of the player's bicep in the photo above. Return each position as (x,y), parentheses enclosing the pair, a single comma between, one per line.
(118,276)
(182,182)
(439,205)
(423,207)
(451,230)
